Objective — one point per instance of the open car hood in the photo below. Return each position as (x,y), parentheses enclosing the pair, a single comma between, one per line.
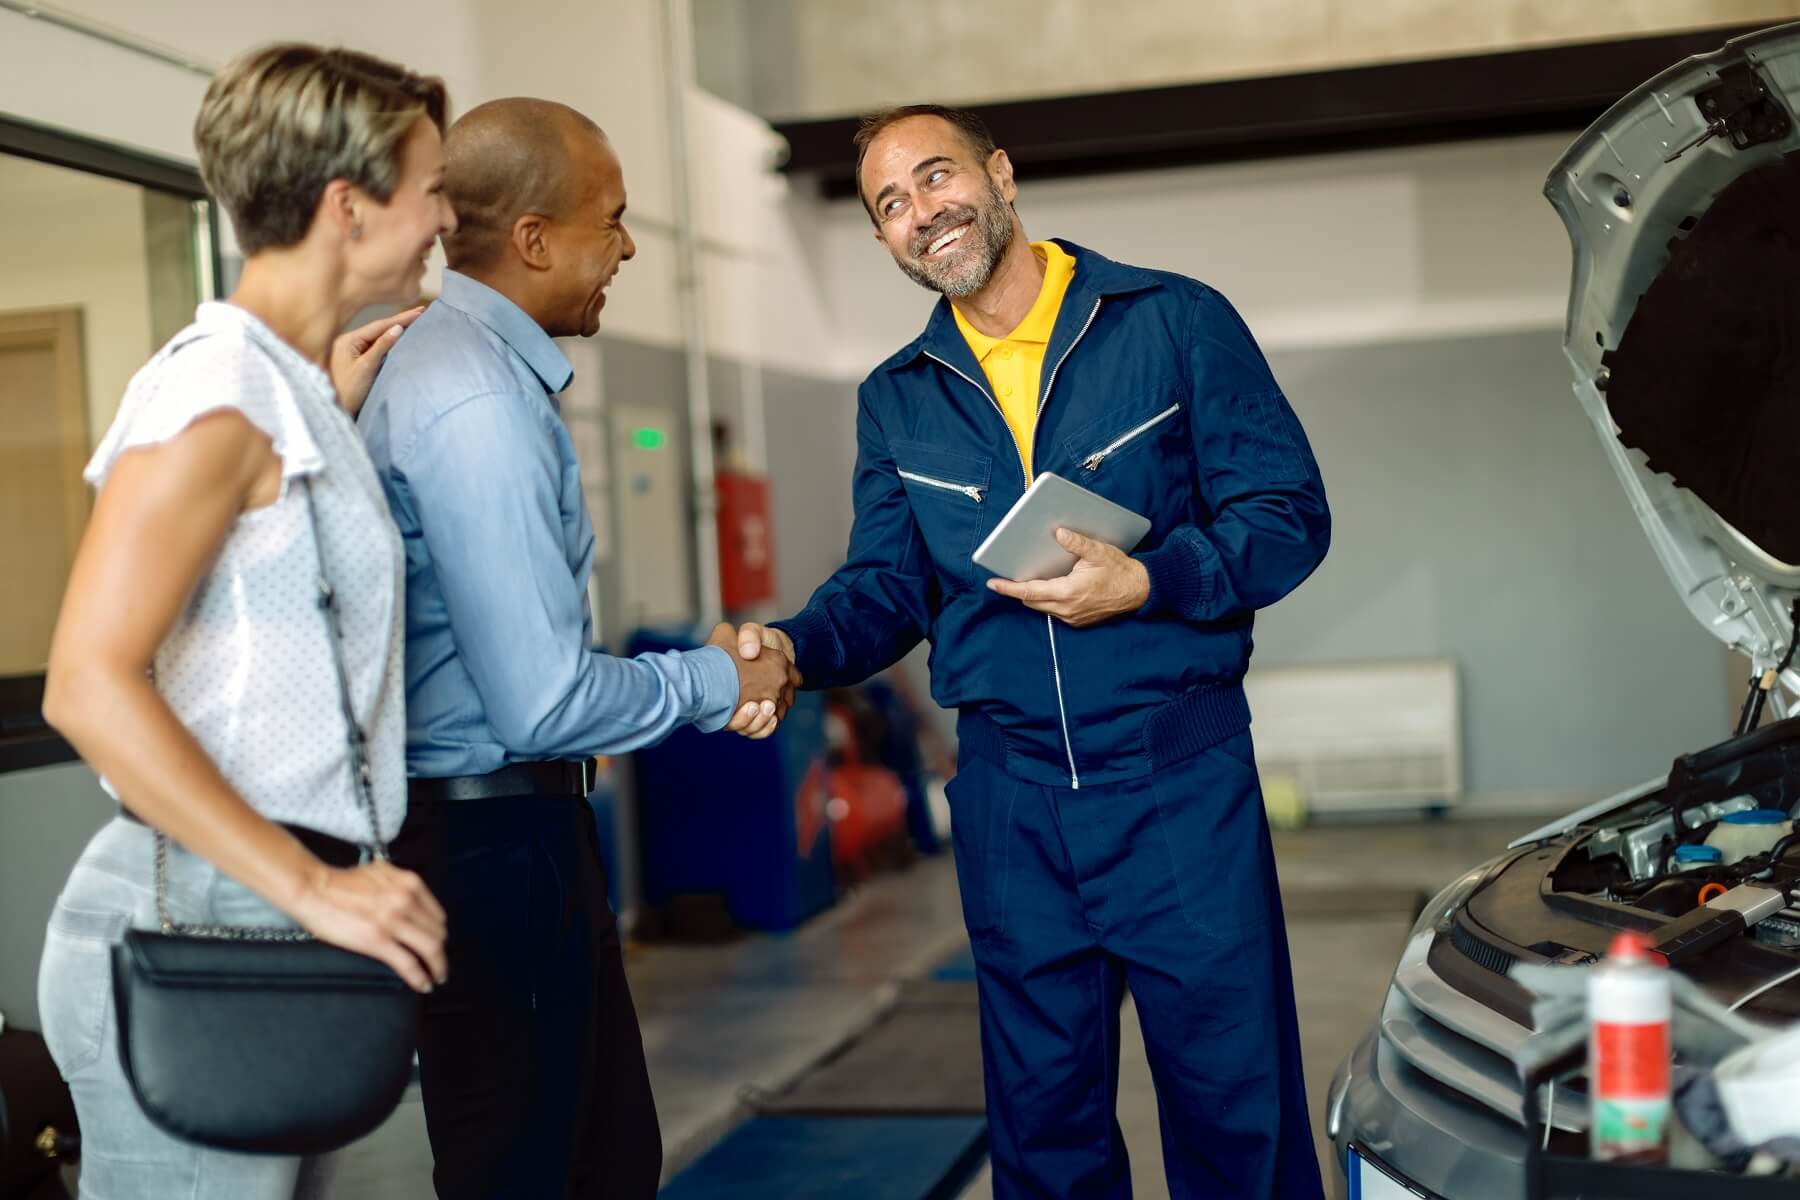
(1683,207)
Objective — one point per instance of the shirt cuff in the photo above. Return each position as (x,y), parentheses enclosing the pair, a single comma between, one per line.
(717,675)
(1180,583)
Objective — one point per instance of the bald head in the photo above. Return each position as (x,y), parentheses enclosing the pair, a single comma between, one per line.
(508,158)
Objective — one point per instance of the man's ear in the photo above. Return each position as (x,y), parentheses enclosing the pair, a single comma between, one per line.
(529,241)
(1000,170)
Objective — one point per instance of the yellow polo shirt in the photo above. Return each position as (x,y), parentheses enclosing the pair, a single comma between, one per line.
(1014,364)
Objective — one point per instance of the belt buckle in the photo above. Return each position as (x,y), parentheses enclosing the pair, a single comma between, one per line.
(587,776)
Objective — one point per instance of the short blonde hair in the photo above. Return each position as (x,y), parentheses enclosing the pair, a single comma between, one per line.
(280,123)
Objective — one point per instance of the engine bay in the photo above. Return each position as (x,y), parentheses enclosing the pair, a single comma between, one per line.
(1713,854)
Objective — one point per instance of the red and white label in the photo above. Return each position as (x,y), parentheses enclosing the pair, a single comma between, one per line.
(1630,1060)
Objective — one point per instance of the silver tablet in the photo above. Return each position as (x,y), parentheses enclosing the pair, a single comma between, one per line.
(1024,545)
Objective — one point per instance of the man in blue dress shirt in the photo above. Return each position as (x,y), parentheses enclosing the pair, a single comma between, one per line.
(531,1062)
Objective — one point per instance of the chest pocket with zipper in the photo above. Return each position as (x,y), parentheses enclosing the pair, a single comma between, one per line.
(1137,455)
(948,491)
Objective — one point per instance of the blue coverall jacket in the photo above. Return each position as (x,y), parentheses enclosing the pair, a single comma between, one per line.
(1155,396)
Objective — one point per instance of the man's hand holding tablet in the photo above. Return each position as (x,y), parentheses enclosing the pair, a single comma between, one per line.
(1063,550)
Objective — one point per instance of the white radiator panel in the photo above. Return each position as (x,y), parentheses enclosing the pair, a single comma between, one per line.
(1361,735)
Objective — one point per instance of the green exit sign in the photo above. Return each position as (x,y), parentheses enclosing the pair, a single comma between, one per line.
(649,439)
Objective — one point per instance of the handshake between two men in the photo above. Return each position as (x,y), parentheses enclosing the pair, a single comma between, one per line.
(767,677)
(1105,583)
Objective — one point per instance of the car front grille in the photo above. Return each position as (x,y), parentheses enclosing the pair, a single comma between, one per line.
(1478,951)
(1459,1042)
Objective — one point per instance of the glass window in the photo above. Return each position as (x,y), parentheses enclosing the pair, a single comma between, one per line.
(98,273)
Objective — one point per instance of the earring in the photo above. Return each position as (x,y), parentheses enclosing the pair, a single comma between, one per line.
(356,233)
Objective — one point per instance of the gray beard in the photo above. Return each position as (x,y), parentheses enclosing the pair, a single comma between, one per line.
(971,272)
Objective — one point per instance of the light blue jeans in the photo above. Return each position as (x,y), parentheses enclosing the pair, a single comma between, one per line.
(124,1156)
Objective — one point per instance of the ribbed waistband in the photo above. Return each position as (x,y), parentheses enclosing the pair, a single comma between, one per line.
(1171,733)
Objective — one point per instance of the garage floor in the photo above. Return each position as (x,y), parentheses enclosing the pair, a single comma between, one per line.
(725,1024)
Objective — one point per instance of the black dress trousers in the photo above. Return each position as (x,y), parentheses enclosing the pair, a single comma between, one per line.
(530,1059)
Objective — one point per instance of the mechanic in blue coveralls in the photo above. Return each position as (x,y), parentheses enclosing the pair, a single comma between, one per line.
(1108,822)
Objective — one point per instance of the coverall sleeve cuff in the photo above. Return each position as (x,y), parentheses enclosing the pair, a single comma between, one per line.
(717,676)
(1181,583)
(815,644)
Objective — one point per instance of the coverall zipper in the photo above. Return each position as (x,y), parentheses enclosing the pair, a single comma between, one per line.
(1062,708)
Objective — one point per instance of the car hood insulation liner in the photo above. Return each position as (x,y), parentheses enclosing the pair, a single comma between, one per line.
(1707,378)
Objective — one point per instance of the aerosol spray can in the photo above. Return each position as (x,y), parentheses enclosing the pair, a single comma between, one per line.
(1629,1053)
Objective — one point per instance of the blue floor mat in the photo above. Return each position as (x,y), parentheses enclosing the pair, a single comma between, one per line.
(960,965)
(858,1158)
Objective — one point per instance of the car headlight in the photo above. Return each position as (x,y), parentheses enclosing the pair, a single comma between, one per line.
(1447,901)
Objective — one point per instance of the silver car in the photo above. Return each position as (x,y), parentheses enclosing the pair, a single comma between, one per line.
(1683,206)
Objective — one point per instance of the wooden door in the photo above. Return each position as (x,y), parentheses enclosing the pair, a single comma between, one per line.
(43,501)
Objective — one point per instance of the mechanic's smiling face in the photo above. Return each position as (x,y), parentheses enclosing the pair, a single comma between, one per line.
(944,215)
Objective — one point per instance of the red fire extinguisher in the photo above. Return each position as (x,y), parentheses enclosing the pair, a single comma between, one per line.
(746,541)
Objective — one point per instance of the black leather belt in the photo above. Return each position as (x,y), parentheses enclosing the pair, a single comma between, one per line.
(516,779)
(333,852)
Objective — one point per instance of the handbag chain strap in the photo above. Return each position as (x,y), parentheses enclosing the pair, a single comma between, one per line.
(359,769)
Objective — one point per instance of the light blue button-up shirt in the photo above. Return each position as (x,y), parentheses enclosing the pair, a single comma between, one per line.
(482,480)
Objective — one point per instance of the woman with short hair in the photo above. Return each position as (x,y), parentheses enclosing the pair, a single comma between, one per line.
(191,665)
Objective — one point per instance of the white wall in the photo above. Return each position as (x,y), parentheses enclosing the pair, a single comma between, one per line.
(75,82)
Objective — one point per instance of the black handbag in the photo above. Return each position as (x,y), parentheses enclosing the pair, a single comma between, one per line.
(265,1040)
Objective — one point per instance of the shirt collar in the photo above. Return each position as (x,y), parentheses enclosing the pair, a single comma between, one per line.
(1096,278)
(1059,269)
(524,335)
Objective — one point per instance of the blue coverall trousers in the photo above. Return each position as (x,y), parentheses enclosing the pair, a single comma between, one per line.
(1164,885)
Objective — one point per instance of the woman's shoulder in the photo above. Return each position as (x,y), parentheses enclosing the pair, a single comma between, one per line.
(216,363)
(219,354)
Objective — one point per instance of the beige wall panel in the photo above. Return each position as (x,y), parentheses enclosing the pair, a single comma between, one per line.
(1394,29)
(851,55)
